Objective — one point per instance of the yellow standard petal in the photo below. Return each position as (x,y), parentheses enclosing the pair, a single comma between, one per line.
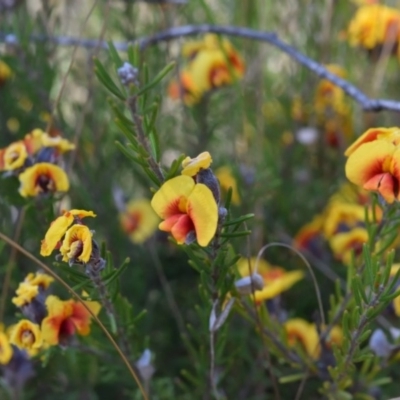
(191,166)
(77,244)
(203,211)
(6,350)
(165,201)
(27,336)
(39,279)
(43,178)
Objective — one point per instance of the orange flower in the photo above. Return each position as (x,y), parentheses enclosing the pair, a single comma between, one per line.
(375,166)
(58,228)
(186,207)
(65,318)
(77,244)
(43,178)
(307,237)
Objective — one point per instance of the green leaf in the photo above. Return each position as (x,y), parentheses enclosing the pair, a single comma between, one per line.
(114,54)
(155,145)
(157,78)
(235,234)
(238,220)
(176,164)
(106,80)
(117,272)
(133,54)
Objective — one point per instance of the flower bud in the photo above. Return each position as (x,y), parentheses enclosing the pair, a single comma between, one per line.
(250,283)
(128,74)
(207,177)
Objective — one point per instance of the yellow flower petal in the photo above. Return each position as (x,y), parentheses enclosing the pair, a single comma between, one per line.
(389,134)
(203,211)
(191,166)
(165,201)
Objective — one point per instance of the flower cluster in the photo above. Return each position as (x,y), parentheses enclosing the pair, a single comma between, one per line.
(374,162)
(71,237)
(188,204)
(211,64)
(341,225)
(375,27)
(34,160)
(48,321)
(330,111)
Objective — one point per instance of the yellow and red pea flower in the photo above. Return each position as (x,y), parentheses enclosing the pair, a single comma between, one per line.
(65,318)
(59,227)
(308,237)
(345,243)
(27,336)
(186,207)
(43,178)
(139,220)
(374,26)
(300,332)
(375,166)
(276,279)
(212,63)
